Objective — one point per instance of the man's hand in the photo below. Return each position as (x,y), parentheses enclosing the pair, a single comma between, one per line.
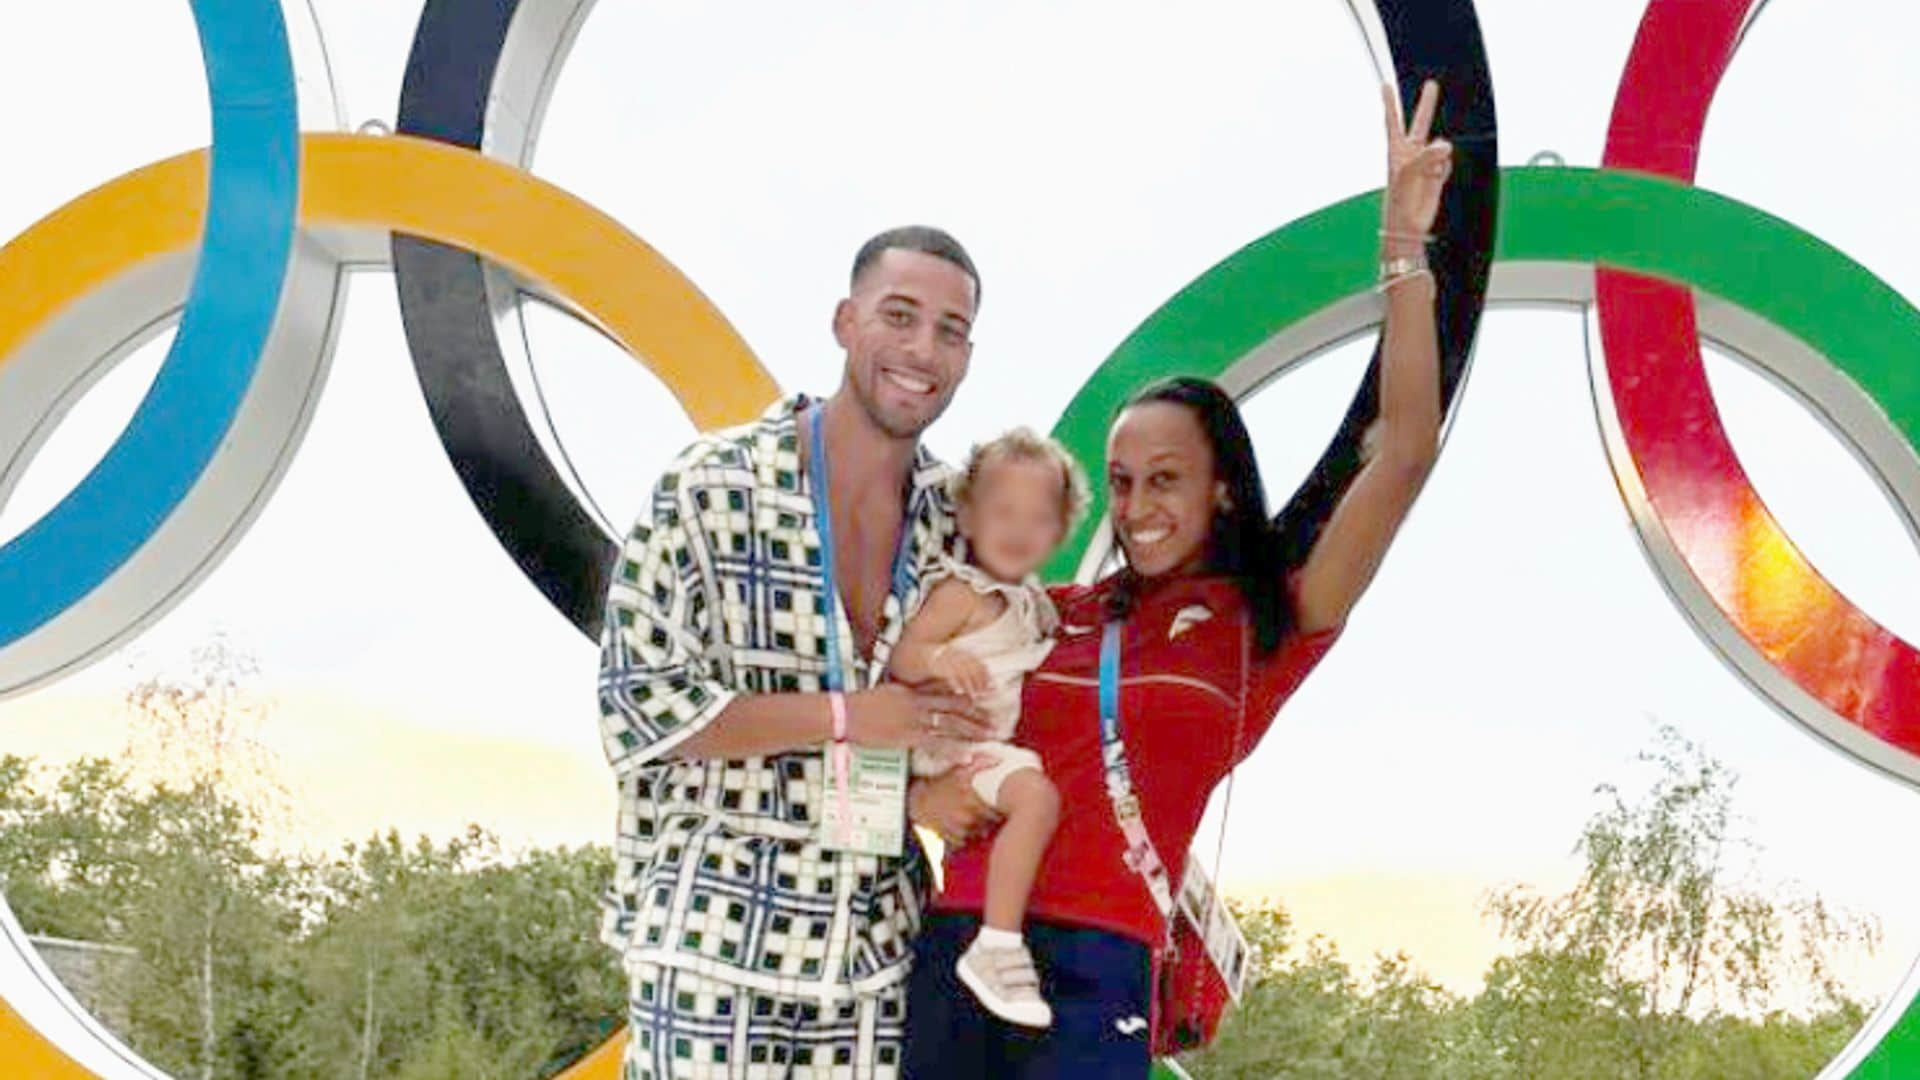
(948,805)
(895,715)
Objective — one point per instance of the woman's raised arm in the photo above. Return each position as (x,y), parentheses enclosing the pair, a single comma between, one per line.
(1404,441)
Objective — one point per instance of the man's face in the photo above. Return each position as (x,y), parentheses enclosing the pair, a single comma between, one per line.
(908,332)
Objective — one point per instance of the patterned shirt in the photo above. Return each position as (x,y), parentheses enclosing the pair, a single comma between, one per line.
(719,866)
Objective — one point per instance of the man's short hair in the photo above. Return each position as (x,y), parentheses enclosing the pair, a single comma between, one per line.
(922,238)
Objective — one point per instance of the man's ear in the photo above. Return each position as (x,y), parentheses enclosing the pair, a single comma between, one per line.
(843,320)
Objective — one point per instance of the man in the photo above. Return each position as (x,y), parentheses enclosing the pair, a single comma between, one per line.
(754,949)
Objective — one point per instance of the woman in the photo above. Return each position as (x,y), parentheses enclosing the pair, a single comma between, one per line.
(1215,631)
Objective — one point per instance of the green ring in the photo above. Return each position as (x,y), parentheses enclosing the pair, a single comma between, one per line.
(1624,220)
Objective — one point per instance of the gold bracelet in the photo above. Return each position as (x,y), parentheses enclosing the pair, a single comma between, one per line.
(1401,266)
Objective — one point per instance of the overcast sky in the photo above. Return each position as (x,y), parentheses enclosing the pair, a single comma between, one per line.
(1095,157)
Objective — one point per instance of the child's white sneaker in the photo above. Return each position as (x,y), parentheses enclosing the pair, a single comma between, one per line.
(1004,980)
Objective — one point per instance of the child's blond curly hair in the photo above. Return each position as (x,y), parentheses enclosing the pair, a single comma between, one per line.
(1024,444)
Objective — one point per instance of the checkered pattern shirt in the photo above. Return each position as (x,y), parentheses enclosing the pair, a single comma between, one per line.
(719,866)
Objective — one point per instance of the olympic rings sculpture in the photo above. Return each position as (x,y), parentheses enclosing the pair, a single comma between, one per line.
(276,216)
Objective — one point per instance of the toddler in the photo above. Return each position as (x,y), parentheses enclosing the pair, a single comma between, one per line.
(983,625)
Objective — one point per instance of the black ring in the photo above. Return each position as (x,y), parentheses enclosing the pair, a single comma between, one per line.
(449,323)
(1439,40)
(567,553)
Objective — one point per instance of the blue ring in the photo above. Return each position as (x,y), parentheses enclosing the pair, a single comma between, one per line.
(246,248)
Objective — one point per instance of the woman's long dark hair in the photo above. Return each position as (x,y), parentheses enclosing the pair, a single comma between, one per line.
(1243,543)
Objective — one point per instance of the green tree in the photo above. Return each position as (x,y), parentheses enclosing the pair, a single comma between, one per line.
(212,926)
(215,907)
(426,951)
(370,997)
(1297,1003)
(1664,961)
(1664,927)
(1305,1014)
(387,959)
(178,876)
(513,947)
(70,852)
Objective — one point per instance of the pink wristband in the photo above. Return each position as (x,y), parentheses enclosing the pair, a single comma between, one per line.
(842,756)
(837,701)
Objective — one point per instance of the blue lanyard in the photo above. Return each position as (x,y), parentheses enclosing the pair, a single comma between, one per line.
(1110,685)
(1140,855)
(836,678)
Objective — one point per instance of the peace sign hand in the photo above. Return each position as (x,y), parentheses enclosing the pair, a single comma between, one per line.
(1417,165)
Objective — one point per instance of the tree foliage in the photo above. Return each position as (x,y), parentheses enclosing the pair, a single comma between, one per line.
(1662,961)
(418,960)
(385,959)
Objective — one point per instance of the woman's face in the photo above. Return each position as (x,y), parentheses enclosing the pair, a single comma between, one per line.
(1161,487)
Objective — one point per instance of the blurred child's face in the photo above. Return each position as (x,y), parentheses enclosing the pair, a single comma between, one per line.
(1014,518)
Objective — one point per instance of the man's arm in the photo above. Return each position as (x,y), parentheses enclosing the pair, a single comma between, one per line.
(660,696)
(755,725)
(658,690)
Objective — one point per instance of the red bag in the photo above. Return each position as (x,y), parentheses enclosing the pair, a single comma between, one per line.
(1190,994)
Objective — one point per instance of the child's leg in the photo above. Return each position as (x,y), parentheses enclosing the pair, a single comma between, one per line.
(997,967)
(1032,807)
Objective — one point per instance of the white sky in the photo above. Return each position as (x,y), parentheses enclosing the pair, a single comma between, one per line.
(1094,157)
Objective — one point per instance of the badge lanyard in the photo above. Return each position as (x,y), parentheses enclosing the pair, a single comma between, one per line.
(835,678)
(1141,857)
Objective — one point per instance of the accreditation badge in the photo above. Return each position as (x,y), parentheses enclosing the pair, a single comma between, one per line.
(872,817)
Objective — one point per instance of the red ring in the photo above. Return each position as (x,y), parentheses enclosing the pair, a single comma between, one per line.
(1759,580)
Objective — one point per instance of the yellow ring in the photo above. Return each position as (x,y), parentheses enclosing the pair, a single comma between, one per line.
(422,188)
(28,1053)
(428,189)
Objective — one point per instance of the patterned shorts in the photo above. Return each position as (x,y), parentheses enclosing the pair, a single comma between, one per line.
(687,1026)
